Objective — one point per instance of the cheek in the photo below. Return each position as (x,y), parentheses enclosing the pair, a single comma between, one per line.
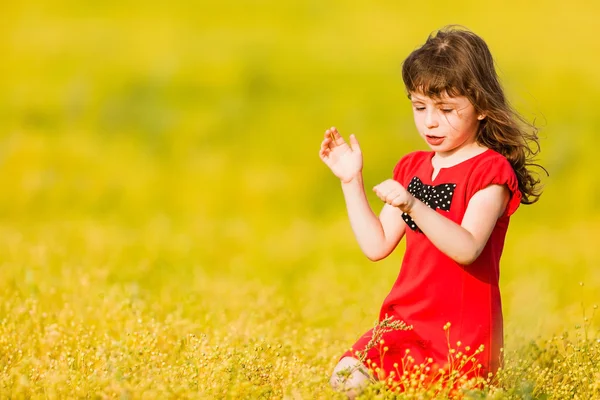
(453,123)
(471,124)
(418,118)
(468,118)
(462,125)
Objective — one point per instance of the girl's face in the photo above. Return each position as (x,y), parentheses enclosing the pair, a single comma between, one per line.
(447,124)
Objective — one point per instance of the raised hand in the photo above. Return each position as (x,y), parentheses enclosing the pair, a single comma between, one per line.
(394,194)
(345,161)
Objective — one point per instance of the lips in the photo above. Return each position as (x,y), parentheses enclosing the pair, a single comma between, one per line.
(434,140)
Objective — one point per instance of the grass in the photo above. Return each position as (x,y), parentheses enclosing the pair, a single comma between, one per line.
(167,230)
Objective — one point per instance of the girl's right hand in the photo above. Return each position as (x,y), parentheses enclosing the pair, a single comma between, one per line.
(345,161)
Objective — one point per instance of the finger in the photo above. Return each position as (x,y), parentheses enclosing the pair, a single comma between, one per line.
(324,156)
(324,152)
(330,143)
(401,200)
(354,143)
(389,185)
(337,139)
(383,193)
(377,190)
(329,134)
(381,197)
(330,138)
(386,182)
(391,196)
(382,188)
(332,133)
(398,201)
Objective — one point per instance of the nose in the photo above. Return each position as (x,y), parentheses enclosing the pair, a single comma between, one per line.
(431,118)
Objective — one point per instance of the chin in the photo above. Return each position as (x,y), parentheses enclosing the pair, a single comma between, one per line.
(444,150)
(441,148)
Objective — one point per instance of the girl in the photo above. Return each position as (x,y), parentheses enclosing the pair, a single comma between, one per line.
(452,203)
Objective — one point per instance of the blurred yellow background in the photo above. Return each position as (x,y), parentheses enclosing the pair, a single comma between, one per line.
(160,159)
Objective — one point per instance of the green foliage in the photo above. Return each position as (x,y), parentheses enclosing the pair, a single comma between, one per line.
(166,227)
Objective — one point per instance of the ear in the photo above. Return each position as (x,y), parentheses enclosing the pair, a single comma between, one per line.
(481,116)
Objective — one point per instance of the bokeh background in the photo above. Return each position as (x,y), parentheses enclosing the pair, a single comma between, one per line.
(164,212)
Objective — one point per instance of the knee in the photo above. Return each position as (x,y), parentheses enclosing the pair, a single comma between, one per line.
(349,376)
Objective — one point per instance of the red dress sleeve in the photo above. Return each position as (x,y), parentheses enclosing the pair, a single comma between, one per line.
(398,173)
(497,171)
(404,165)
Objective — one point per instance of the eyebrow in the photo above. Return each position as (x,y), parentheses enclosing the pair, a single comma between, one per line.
(437,102)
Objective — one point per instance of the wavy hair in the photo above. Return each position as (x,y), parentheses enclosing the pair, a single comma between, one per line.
(457,62)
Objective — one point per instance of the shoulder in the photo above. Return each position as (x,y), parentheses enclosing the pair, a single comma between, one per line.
(410,162)
(491,158)
(494,169)
(418,155)
(493,166)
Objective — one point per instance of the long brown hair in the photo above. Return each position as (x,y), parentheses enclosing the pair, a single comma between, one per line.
(457,62)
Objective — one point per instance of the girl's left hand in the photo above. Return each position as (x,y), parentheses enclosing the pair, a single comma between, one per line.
(394,194)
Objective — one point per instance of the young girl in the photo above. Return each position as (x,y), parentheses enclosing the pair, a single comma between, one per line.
(452,203)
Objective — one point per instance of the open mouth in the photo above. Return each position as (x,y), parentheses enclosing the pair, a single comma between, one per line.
(434,140)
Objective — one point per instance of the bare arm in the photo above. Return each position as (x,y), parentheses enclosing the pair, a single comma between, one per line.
(376,236)
(462,243)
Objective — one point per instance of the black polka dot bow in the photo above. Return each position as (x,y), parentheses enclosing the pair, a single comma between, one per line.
(438,196)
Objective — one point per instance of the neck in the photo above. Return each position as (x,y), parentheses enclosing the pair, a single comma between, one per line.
(460,154)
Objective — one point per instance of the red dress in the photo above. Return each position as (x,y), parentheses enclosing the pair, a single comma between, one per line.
(431,289)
